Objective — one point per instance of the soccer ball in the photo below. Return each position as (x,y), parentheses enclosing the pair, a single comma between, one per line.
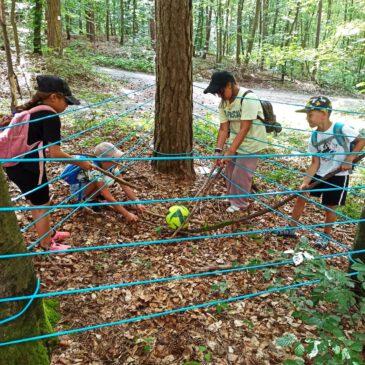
(176,216)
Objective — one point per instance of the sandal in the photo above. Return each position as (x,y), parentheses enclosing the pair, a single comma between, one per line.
(58,247)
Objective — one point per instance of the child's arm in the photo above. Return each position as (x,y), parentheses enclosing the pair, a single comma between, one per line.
(222,137)
(56,152)
(108,196)
(311,171)
(359,146)
(132,196)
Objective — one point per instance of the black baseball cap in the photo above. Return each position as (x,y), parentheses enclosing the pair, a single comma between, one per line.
(317,103)
(54,84)
(219,81)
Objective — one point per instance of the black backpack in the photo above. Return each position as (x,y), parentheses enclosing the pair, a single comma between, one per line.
(269,120)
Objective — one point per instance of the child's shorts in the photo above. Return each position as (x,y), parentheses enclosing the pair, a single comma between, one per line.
(78,191)
(332,197)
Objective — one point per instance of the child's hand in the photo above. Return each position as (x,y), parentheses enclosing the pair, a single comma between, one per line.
(141,208)
(304,186)
(130,217)
(347,164)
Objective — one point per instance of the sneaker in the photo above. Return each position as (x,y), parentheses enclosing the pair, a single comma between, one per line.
(60,236)
(58,247)
(288,233)
(233,208)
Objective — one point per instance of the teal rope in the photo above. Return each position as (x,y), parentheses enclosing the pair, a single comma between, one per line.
(171,240)
(174,278)
(20,313)
(76,110)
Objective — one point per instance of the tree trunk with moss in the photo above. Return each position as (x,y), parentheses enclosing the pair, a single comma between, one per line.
(17,278)
(173,116)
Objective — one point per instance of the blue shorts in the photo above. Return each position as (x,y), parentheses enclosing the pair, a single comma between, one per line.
(78,190)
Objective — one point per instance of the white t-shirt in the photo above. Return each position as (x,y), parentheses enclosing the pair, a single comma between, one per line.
(234,112)
(330,163)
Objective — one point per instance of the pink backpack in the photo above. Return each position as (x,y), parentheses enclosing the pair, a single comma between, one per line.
(14,140)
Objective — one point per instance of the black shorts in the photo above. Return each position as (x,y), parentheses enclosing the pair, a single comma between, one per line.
(27,176)
(332,197)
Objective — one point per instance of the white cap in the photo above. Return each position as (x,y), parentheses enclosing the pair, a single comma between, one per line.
(106,149)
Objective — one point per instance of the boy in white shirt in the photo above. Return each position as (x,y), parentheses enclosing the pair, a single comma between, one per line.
(328,138)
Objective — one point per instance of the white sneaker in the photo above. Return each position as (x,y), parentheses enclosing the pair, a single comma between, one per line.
(233,209)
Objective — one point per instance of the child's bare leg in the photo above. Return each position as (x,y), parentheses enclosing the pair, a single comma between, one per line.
(298,209)
(331,217)
(92,190)
(43,227)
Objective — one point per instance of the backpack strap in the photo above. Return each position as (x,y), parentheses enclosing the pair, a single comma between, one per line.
(340,138)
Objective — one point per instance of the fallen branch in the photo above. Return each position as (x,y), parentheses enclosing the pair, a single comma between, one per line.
(265,210)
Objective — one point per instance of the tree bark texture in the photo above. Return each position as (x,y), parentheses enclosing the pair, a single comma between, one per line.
(17,278)
(54,26)
(37,27)
(173,116)
(15,30)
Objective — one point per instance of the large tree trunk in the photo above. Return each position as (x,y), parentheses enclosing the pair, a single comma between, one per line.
(54,26)
(13,82)
(15,30)
(37,27)
(173,117)
(17,278)
(251,39)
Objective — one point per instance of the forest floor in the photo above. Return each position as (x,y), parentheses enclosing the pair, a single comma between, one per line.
(241,333)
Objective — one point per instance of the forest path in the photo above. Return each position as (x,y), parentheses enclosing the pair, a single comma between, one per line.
(282,100)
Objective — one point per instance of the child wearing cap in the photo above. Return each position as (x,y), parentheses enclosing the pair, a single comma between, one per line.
(328,138)
(92,184)
(53,96)
(241,126)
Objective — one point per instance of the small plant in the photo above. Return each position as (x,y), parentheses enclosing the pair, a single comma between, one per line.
(147,343)
(220,287)
(332,307)
(207,355)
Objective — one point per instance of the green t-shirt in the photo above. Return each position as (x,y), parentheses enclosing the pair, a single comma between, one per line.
(234,112)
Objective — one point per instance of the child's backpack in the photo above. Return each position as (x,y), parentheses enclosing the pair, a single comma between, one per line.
(14,139)
(337,134)
(269,120)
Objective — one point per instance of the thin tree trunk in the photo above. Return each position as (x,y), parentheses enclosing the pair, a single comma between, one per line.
(239,31)
(134,21)
(68,25)
(18,278)
(317,40)
(122,25)
(90,22)
(13,83)
(15,30)
(198,42)
(107,21)
(37,27)
(152,24)
(173,116)
(276,15)
(208,28)
(251,39)
(226,29)
(219,25)
(54,26)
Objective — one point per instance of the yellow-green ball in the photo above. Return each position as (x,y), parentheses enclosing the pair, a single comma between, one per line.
(176,216)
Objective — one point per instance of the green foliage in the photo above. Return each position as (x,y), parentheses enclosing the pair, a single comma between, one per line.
(52,310)
(332,307)
(130,64)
